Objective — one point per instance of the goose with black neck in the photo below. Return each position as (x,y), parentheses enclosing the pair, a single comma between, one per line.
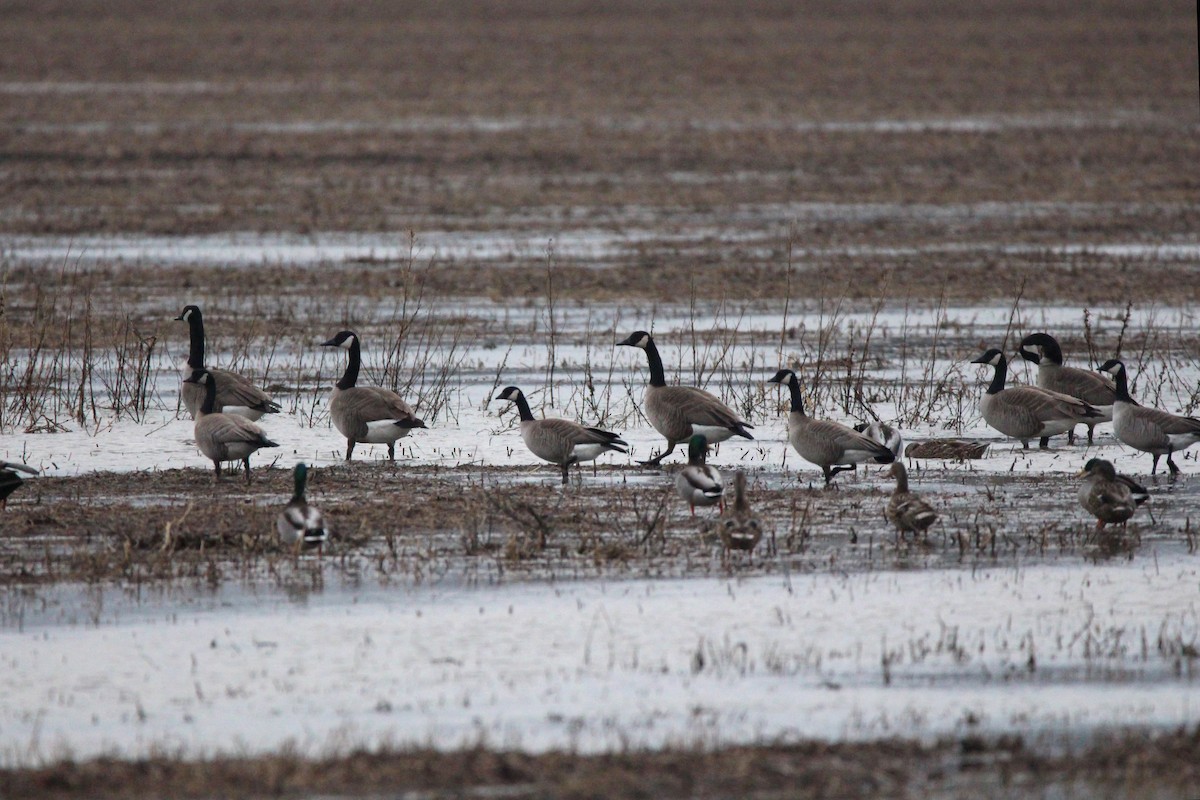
(681,412)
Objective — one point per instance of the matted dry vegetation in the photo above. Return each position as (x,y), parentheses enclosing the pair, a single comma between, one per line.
(143,117)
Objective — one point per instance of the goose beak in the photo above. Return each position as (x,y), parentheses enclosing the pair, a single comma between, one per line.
(330,343)
(626,342)
(980,360)
(180,318)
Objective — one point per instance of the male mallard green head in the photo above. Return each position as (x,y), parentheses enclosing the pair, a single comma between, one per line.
(301,476)
(697,448)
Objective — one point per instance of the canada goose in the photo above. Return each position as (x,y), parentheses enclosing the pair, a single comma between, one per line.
(1096,390)
(235,393)
(10,481)
(224,437)
(830,445)
(905,509)
(883,433)
(300,525)
(560,441)
(1148,429)
(1109,497)
(369,414)
(1026,412)
(740,530)
(680,412)
(697,483)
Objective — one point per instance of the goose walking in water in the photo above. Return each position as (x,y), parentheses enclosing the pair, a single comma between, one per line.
(1150,430)
(368,414)
(235,393)
(560,441)
(1093,388)
(224,437)
(681,412)
(832,446)
(1026,412)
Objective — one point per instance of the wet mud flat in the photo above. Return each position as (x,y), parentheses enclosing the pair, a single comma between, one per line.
(736,177)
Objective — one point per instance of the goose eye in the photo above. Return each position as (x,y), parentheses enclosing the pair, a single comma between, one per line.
(728,523)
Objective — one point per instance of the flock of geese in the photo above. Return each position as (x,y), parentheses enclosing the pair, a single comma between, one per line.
(225,406)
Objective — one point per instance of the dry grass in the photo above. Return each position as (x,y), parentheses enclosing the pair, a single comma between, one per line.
(1126,765)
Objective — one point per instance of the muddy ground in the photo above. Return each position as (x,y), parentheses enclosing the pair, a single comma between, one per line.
(960,132)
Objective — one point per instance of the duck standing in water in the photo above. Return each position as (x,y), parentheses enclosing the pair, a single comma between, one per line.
(1109,497)
(301,526)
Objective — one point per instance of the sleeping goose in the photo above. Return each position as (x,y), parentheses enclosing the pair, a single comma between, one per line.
(907,510)
(300,525)
(883,433)
(740,529)
(1092,388)
(698,483)
(1148,429)
(235,393)
(1026,412)
(1106,495)
(680,412)
(224,437)
(369,414)
(10,480)
(830,445)
(560,441)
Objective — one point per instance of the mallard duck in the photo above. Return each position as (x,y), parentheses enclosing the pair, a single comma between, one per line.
(906,509)
(10,479)
(368,414)
(235,393)
(224,437)
(300,525)
(560,441)
(1107,496)
(950,449)
(698,483)
(680,412)
(1090,387)
(1026,412)
(830,445)
(1150,430)
(740,529)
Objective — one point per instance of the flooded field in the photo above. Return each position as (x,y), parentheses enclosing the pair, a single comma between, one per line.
(473,627)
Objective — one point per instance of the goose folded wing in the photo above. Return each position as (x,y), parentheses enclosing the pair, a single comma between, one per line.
(230,429)
(235,390)
(848,439)
(1092,387)
(372,403)
(703,408)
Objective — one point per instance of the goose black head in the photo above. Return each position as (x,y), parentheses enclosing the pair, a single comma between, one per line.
(1112,366)
(636,339)
(510,393)
(1048,346)
(784,376)
(343,339)
(993,357)
(187,313)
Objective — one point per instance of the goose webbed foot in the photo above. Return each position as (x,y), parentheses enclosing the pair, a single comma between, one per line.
(391,451)
(1171,465)
(1044,443)
(654,462)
